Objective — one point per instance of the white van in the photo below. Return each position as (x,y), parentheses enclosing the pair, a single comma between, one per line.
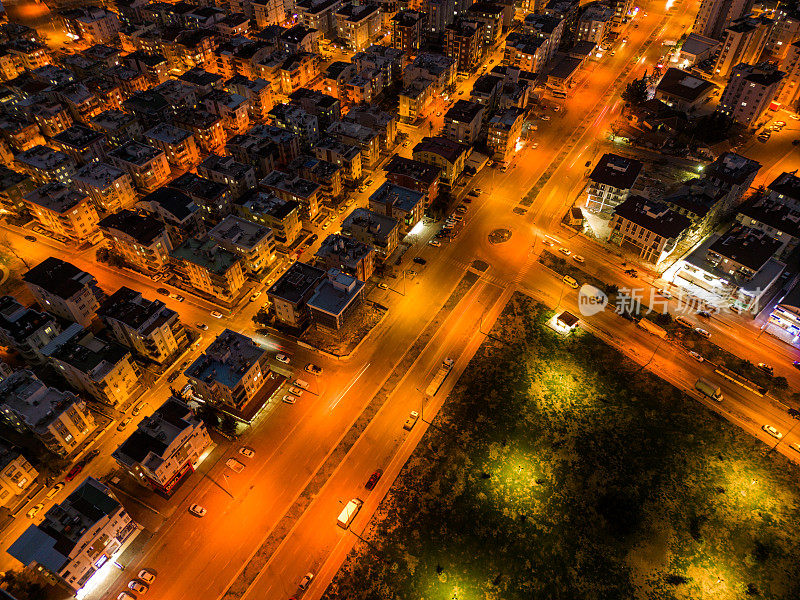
(349,513)
(301,383)
(570,282)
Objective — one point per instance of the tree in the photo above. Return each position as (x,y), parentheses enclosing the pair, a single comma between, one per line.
(636,91)
(227,424)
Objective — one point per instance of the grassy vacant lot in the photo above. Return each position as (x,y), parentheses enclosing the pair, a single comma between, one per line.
(557,470)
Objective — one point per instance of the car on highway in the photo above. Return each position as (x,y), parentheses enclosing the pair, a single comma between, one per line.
(696,356)
(411,420)
(383,286)
(30,238)
(373,479)
(702,332)
(419,260)
(163,291)
(306,581)
(312,368)
(289,399)
(54,490)
(772,431)
(124,423)
(73,472)
(435,243)
(579,259)
(255,296)
(216,314)
(34,511)
(766,368)
(197,510)
(283,358)
(565,251)
(202,326)
(147,576)
(138,587)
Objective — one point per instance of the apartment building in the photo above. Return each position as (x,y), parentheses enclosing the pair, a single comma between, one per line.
(346,254)
(254,243)
(233,373)
(118,127)
(444,153)
(346,155)
(402,204)
(407,28)
(594,23)
(16,474)
(683,91)
(110,189)
(464,43)
(147,166)
(648,229)
(714,16)
(749,92)
(526,51)
(233,109)
(77,536)
(610,182)
(490,16)
(289,295)
(463,121)
(358,24)
(25,330)
(257,92)
(440,70)
(365,138)
(13,188)
(743,41)
(373,229)
(209,269)
(105,370)
(224,169)
(789,94)
(64,210)
(46,165)
(281,216)
(80,143)
(415,175)
(336,297)
(166,447)
(505,130)
(91,24)
(177,144)
(64,290)
(142,240)
(209,134)
(290,187)
(59,420)
(147,327)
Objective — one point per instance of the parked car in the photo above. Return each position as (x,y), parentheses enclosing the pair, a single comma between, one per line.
(766,368)
(124,423)
(696,356)
(419,260)
(306,581)
(202,326)
(216,314)
(34,510)
(157,277)
(312,368)
(54,490)
(411,420)
(163,291)
(704,313)
(435,243)
(295,391)
(30,238)
(579,259)
(383,286)
(282,358)
(138,587)
(147,576)
(255,296)
(125,596)
(289,399)
(565,251)
(73,472)
(373,479)
(197,510)
(247,452)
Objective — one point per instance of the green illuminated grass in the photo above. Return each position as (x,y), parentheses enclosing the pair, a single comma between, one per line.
(557,470)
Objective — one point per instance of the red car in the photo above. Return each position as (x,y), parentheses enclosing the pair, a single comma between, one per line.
(373,479)
(73,472)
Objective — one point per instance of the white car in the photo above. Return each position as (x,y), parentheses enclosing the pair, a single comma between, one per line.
(255,296)
(548,243)
(665,293)
(282,358)
(197,510)
(772,431)
(306,581)
(33,512)
(234,465)
(579,259)
(696,356)
(202,326)
(702,332)
(565,251)
(289,399)
(125,596)
(295,391)
(435,243)
(244,451)
(216,314)
(147,576)
(138,587)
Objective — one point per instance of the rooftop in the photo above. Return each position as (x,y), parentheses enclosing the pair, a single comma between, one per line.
(227,166)
(78,137)
(348,251)
(135,153)
(616,171)
(168,134)
(653,215)
(745,246)
(56,197)
(42,157)
(261,202)
(397,196)
(85,352)
(464,111)
(171,201)
(227,359)
(112,119)
(683,85)
(296,186)
(787,184)
(36,404)
(143,229)
(129,307)
(773,213)
(240,232)
(336,292)
(296,283)
(447,149)
(206,254)
(20,322)
(99,175)
(414,169)
(379,226)
(58,277)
